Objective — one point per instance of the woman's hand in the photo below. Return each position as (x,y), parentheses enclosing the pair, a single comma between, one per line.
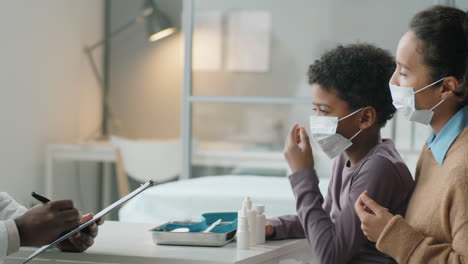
(297,150)
(373,217)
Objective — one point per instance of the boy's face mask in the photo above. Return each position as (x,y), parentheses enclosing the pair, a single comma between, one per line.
(323,131)
(403,100)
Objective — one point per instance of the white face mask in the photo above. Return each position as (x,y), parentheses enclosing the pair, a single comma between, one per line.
(403,100)
(323,132)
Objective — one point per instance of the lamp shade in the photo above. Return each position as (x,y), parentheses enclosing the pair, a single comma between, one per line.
(157,23)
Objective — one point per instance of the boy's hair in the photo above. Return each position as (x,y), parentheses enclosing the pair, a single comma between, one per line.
(360,74)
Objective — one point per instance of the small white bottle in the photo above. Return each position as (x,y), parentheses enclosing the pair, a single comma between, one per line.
(261,222)
(243,234)
(248,203)
(252,218)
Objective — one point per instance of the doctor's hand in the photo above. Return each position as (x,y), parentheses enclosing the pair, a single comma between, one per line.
(373,217)
(297,150)
(44,223)
(84,239)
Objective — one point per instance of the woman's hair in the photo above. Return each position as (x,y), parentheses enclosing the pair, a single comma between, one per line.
(359,73)
(443,31)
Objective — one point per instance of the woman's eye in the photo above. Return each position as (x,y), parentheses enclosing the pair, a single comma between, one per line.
(403,74)
(319,111)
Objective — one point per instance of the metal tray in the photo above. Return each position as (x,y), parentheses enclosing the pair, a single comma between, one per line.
(191,238)
(219,236)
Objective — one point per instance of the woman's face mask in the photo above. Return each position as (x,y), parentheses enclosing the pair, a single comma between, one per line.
(404,101)
(323,132)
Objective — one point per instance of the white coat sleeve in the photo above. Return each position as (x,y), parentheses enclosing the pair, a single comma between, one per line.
(9,236)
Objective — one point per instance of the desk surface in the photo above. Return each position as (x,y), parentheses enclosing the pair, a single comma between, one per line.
(104,151)
(132,243)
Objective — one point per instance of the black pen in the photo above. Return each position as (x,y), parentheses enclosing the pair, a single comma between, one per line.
(40,198)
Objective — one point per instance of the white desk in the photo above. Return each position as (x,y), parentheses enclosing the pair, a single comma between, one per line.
(96,152)
(105,152)
(132,244)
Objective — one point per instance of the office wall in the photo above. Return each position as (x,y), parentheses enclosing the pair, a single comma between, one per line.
(48,94)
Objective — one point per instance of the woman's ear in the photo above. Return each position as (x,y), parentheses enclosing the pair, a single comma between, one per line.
(368,117)
(449,87)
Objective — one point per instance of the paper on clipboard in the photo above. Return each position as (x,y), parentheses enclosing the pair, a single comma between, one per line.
(102,213)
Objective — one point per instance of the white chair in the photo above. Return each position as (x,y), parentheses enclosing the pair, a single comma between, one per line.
(146,159)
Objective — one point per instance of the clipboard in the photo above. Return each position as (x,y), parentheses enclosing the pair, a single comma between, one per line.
(102,213)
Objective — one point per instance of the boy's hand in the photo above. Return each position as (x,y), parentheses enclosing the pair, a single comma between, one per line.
(269,230)
(84,239)
(297,150)
(44,223)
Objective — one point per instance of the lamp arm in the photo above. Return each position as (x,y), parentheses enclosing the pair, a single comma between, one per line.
(94,67)
(88,50)
(112,34)
(97,132)
(89,54)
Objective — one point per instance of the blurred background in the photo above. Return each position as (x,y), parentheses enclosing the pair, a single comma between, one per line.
(215,96)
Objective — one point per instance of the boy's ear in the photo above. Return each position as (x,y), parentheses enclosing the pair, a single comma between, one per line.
(368,117)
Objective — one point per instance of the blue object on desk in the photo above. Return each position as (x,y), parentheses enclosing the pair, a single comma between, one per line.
(206,220)
(219,236)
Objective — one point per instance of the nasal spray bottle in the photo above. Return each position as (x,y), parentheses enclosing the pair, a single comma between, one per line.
(252,218)
(243,235)
(261,222)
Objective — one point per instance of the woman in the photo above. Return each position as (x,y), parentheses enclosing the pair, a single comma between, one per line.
(432,59)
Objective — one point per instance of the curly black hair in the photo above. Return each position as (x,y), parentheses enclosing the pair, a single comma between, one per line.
(360,74)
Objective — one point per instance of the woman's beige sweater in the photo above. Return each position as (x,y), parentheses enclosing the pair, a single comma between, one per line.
(435,229)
